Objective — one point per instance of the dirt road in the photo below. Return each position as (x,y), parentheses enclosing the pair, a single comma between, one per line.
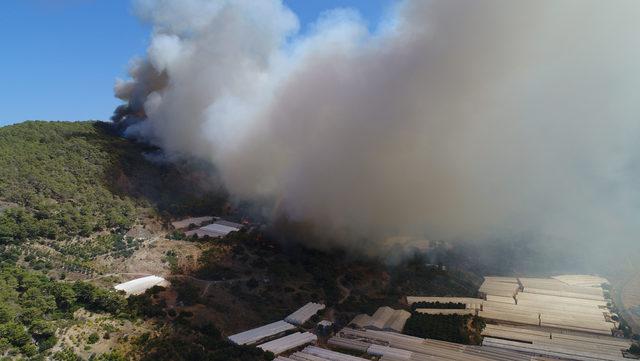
(346,292)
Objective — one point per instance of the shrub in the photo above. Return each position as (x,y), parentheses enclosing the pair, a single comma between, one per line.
(93,338)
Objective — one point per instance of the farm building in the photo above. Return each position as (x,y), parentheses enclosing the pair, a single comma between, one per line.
(324,354)
(534,316)
(582,280)
(139,285)
(572,303)
(324,328)
(395,347)
(185,223)
(348,344)
(519,338)
(503,344)
(390,352)
(556,287)
(583,350)
(311,354)
(361,320)
(385,318)
(531,309)
(496,287)
(260,333)
(304,313)
(219,228)
(501,299)
(501,279)
(552,344)
(543,319)
(288,342)
(229,224)
(566,299)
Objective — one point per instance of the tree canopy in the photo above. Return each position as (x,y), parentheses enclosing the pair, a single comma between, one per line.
(65,179)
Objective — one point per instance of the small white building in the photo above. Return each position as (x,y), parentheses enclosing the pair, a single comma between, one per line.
(139,285)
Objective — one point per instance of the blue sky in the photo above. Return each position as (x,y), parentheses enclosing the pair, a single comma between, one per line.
(60,58)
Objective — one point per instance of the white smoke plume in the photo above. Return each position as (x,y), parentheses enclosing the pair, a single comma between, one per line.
(452,119)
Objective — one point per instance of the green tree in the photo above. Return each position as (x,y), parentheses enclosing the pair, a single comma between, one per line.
(64,295)
(66,354)
(93,338)
(6,314)
(42,329)
(29,349)
(15,333)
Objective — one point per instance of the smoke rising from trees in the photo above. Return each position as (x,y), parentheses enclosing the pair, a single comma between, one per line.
(450,119)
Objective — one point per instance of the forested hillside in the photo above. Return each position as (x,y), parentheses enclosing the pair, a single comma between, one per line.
(83,209)
(68,192)
(33,307)
(61,179)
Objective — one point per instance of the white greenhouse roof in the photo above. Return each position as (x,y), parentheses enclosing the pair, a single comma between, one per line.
(260,333)
(556,350)
(501,279)
(304,313)
(218,229)
(184,223)
(330,355)
(288,342)
(385,318)
(139,285)
(443,311)
(497,288)
(395,353)
(501,299)
(229,224)
(582,280)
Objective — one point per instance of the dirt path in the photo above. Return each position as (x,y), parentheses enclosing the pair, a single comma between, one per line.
(346,292)
(206,284)
(205,290)
(119,274)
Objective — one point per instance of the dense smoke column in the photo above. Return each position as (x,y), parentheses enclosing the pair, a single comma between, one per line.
(450,120)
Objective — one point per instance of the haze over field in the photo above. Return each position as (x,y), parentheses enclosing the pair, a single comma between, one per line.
(450,120)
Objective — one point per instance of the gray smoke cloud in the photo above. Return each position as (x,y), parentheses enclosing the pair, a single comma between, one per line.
(451,119)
